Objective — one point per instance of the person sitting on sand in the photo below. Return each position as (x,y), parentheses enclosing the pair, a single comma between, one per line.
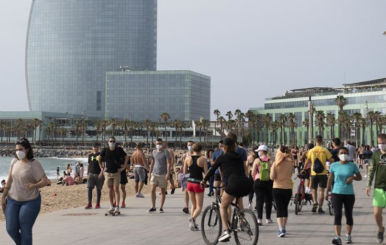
(68,180)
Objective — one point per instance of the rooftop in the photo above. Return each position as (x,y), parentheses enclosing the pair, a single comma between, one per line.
(376,82)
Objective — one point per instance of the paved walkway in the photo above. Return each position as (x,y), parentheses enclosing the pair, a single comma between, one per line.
(136,226)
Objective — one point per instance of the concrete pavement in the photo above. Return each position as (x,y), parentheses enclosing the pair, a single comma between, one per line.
(136,226)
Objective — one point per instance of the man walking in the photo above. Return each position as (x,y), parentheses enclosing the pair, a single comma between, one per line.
(351,151)
(94,176)
(116,160)
(139,162)
(159,174)
(317,157)
(378,170)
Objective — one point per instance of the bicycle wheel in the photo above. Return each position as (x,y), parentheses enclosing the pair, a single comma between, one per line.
(246,230)
(301,203)
(211,225)
(297,204)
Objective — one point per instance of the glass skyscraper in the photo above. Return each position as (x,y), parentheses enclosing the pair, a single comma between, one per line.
(71,44)
(140,95)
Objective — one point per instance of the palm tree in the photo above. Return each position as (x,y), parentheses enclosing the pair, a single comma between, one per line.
(340,101)
(217,113)
(63,132)
(363,124)
(230,124)
(176,125)
(98,130)
(331,123)
(266,120)
(292,125)
(125,127)
(377,120)
(113,124)
(342,120)
(371,117)
(205,125)
(237,124)
(76,128)
(357,118)
(319,120)
(381,120)
(153,127)
(255,122)
(2,128)
(182,126)
(165,117)
(221,120)
(229,115)
(199,125)
(282,123)
(147,124)
(250,116)
(131,125)
(274,126)
(305,124)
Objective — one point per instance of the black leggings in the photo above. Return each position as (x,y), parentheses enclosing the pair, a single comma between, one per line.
(263,190)
(252,191)
(282,198)
(338,200)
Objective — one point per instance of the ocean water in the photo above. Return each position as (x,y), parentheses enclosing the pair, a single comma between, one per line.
(49,165)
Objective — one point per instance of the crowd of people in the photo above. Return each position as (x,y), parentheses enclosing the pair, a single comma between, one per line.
(264,175)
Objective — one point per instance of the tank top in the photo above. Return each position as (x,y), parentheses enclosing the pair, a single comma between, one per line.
(195,170)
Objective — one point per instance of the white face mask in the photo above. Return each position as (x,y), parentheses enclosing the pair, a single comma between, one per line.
(159,147)
(382,147)
(343,157)
(20,154)
(190,148)
(259,154)
(111,144)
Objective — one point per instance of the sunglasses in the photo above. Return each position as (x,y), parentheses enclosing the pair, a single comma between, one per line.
(112,141)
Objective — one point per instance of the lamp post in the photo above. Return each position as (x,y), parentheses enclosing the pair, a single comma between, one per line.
(310,121)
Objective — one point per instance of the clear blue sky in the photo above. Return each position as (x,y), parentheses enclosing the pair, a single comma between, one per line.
(251,49)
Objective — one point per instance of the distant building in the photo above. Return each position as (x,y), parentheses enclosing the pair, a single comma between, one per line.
(140,95)
(361,97)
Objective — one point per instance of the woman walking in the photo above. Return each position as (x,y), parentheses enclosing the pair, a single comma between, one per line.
(250,160)
(262,184)
(197,165)
(281,173)
(343,173)
(21,198)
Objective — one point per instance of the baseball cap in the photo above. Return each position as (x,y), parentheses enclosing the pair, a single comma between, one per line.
(262,148)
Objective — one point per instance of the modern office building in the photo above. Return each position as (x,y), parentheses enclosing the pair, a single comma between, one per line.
(71,45)
(361,97)
(140,95)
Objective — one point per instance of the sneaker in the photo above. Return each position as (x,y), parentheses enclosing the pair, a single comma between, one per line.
(191,224)
(380,236)
(348,239)
(97,206)
(111,208)
(173,190)
(161,210)
(196,228)
(225,236)
(337,241)
(250,206)
(268,221)
(140,195)
(137,194)
(123,205)
(320,211)
(88,206)
(116,209)
(285,232)
(259,222)
(185,210)
(314,207)
(152,210)
(365,176)
(281,234)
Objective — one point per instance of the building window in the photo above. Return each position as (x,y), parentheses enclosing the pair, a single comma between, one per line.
(99,101)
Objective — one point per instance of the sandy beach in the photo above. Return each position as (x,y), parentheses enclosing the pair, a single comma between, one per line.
(58,197)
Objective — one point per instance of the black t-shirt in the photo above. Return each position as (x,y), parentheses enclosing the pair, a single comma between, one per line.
(93,163)
(231,163)
(111,157)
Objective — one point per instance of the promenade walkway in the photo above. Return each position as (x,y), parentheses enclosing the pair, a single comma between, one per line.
(136,226)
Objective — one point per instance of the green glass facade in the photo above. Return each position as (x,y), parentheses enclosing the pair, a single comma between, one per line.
(360,97)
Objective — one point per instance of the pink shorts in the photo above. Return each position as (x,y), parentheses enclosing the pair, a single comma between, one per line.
(195,187)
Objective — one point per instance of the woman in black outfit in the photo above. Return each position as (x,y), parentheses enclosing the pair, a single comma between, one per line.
(238,184)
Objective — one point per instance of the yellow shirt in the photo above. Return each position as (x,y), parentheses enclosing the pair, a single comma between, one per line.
(322,154)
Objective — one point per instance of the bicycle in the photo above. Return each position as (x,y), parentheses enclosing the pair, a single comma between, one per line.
(243,226)
(301,197)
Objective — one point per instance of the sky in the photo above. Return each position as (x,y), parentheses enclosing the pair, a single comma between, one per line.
(251,49)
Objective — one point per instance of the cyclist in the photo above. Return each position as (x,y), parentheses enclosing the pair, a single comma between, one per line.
(237,185)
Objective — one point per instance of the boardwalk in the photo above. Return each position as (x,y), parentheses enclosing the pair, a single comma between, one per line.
(136,226)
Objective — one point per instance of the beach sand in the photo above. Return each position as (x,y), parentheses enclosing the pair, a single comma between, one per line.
(58,197)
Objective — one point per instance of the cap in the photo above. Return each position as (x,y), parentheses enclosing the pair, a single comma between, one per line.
(262,148)
(228,142)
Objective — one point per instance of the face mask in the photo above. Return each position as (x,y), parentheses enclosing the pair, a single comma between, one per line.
(111,144)
(190,148)
(259,154)
(382,147)
(20,154)
(159,147)
(343,157)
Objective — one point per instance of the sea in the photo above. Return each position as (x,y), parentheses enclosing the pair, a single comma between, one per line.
(49,165)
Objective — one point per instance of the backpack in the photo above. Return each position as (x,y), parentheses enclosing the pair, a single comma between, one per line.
(264,173)
(318,166)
